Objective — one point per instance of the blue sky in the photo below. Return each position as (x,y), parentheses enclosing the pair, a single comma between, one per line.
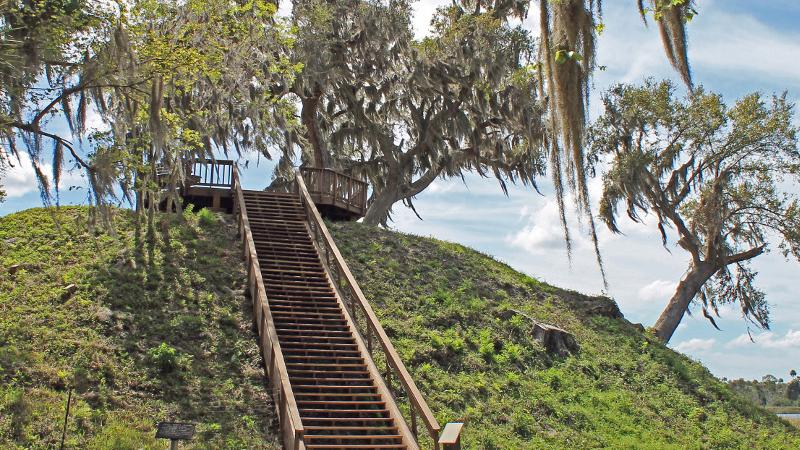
(736,47)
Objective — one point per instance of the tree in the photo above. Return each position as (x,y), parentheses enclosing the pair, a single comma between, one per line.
(793,389)
(566,63)
(793,373)
(712,174)
(173,79)
(403,113)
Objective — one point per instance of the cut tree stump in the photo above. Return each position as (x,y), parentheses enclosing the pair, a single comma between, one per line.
(555,340)
(69,290)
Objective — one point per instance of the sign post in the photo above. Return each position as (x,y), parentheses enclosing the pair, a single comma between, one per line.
(175,431)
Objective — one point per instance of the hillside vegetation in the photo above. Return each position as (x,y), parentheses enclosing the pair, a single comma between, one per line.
(166,333)
(458,318)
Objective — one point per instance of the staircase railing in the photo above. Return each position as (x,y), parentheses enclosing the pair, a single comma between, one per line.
(212,173)
(292,431)
(327,186)
(370,328)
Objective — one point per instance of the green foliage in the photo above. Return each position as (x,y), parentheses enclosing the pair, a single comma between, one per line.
(165,358)
(148,336)
(206,217)
(454,316)
(715,174)
(769,392)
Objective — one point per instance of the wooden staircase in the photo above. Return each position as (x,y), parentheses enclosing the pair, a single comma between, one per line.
(339,402)
(328,390)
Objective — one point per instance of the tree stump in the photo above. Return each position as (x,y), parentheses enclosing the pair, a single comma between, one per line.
(555,340)
(69,290)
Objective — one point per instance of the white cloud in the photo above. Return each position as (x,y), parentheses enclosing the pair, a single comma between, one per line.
(695,345)
(755,49)
(21,179)
(768,340)
(658,290)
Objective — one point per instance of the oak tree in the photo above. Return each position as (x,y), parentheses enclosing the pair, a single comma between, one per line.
(719,177)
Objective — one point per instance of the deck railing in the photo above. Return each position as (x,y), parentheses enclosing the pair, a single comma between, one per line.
(369,327)
(212,173)
(292,430)
(330,187)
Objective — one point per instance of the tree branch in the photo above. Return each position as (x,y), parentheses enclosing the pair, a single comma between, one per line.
(744,256)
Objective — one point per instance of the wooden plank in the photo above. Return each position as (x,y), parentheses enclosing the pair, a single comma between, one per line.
(293,427)
(393,358)
(451,436)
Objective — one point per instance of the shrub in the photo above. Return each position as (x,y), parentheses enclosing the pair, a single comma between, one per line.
(206,217)
(164,358)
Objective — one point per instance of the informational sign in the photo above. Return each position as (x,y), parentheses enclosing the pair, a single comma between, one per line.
(175,431)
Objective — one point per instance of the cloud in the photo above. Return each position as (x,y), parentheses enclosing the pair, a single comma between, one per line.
(755,49)
(21,179)
(695,345)
(768,340)
(658,290)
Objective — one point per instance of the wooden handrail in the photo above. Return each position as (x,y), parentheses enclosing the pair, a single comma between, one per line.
(211,172)
(283,395)
(417,402)
(338,186)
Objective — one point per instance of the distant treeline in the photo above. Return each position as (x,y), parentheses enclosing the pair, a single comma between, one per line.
(770,391)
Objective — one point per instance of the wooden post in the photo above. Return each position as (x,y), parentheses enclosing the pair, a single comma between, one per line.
(451,436)
(413,418)
(66,417)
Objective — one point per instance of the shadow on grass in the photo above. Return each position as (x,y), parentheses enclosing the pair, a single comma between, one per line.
(188,294)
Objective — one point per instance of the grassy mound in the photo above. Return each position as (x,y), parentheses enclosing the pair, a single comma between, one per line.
(160,335)
(461,321)
(165,333)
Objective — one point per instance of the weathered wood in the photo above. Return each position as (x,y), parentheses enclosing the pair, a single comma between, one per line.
(291,422)
(392,357)
(554,339)
(332,189)
(451,436)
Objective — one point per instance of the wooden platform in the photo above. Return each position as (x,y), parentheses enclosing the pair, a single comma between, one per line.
(337,196)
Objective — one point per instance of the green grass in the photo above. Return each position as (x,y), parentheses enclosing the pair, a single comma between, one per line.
(165,334)
(457,317)
(162,334)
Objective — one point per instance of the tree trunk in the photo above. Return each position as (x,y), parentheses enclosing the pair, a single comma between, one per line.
(308,116)
(689,286)
(380,205)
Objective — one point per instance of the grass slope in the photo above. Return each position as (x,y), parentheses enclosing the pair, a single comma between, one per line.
(167,335)
(457,317)
(146,337)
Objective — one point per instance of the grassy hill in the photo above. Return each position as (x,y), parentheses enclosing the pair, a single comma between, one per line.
(460,321)
(159,335)
(165,333)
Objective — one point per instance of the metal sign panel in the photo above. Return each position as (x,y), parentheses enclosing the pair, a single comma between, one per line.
(175,430)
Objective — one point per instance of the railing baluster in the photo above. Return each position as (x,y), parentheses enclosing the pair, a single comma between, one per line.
(413,418)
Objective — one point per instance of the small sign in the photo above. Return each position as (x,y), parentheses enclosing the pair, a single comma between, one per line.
(175,431)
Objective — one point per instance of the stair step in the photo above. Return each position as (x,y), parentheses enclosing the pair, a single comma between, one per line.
(306,411)
(353,446)
(339,401)
(331,380)
(350,428)
(332,387)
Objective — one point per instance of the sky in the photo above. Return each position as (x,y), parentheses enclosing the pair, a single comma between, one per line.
(735,47)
